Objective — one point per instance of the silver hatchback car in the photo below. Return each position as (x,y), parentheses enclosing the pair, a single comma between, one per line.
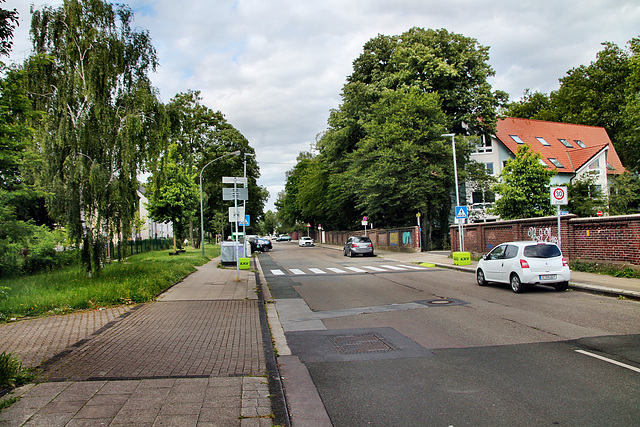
(525,263)
(358,245)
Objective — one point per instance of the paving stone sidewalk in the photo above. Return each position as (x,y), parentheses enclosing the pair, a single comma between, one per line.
(194,357)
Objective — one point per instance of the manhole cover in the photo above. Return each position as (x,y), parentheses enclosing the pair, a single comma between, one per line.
(441,302)
(359,343)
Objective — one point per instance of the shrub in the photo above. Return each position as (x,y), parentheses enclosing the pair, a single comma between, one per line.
(11,372)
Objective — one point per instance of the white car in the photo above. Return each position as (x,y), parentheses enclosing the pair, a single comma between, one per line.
(305,241)
(524,263)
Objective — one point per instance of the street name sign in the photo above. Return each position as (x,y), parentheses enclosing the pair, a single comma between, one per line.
(240,193)
(234,180)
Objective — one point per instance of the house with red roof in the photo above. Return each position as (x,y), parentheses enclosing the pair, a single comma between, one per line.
(572,150)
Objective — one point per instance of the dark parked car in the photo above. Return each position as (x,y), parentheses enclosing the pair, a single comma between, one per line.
(283,238)
(358,245)
(263,245)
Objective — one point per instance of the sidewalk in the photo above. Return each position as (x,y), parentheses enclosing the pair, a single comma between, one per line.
(193,357)
(609,285)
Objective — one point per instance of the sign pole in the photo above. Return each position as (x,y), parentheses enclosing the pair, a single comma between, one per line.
(559,228)
(235,201)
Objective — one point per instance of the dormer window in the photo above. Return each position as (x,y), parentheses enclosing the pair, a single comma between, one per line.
(580,143)
(543,163)
(542,141)
(565,143)
(556,163)
(517,139)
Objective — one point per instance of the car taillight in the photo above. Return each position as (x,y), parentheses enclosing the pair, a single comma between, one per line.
(370,245)
(354,245)
(524,264)
(564,262)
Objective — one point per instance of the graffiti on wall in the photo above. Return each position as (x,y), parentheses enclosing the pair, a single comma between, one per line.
(542,235)
(393,238)
(406,238)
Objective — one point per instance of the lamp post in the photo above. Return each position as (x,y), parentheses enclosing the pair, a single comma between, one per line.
(234,153)
(244,202)
(455,171)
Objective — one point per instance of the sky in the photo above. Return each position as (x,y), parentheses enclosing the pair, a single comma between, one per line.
(276,68)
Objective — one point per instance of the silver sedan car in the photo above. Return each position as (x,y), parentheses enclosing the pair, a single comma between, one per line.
(358,245)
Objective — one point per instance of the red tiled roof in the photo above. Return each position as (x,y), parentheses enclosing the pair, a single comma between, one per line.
(594,138)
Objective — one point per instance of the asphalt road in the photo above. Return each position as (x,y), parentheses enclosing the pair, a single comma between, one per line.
(389,344)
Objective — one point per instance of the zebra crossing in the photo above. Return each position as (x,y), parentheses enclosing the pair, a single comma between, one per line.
(384,268)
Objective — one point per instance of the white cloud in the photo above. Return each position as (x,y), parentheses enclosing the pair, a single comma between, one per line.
(276,68)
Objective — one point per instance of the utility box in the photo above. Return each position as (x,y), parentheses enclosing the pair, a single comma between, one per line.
(228,252)
(245,263)
(461,258)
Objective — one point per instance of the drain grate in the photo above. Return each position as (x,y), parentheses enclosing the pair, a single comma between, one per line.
(360,343)
(441,302)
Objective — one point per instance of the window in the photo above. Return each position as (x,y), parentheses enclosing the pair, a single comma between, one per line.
(517,139)
(511,252)
(555,162)
(543,163)
(580,143)
(565,143)
(484,146)
(489,166)
(542,141)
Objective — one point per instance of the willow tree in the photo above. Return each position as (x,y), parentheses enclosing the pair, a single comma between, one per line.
(88,73)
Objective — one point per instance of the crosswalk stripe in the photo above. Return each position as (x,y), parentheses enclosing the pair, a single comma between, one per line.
(372,268)
(277,272)
(356,269)
(414,267)
(297,271)
(392,267)
(336,270)
(318,271)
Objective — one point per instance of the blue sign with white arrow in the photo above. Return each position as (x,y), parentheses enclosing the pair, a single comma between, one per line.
(461,212)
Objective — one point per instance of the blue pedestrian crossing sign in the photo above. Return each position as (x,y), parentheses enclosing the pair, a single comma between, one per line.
(461,212)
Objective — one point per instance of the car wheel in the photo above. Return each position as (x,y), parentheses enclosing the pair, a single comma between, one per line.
(516,284)
(350,253)
(480,278)
(344,252)
(562,286)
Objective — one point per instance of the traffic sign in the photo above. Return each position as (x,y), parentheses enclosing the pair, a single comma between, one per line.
(246,222)
(240,193)
(599,213)
(232,213)
(462,212)
(559,196)
(234,180)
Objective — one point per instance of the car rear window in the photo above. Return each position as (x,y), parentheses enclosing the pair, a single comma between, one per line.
(361,239)
(542,251)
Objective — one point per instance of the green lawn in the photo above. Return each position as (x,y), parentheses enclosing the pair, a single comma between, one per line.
(137,279)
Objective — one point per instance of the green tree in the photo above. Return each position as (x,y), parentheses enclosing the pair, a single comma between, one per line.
(89,74)
(173,194)
(585,197)
(624,195)
(523,187)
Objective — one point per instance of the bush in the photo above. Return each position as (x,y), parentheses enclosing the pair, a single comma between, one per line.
(11,372)
(608,269)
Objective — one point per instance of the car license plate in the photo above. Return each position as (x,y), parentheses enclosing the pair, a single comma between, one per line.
(548,276)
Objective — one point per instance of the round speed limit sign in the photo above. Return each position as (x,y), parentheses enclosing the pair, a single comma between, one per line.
(559,196)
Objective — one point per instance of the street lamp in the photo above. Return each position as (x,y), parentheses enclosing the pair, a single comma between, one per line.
(455,171)
(234,153)
(246,185)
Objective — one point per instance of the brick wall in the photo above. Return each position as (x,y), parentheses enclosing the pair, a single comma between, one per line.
(612,239)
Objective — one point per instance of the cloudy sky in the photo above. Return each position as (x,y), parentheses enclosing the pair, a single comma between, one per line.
(275,68)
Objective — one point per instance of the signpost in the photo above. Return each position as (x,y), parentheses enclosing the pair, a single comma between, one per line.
(365,222)
(559,196)
(462,213)
(235,213)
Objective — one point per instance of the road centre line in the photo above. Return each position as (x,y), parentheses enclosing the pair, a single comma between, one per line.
(606,359)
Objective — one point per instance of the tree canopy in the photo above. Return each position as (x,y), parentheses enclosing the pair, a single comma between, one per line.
(383,155)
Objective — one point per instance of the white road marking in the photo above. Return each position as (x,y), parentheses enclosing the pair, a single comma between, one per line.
(318,271)
(356,269)
(372,268)
(297,271)
(336,270)
(414,267)
(606,359)
(277,272)
(392,267)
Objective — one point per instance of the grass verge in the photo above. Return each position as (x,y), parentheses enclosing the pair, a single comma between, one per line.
(137,279)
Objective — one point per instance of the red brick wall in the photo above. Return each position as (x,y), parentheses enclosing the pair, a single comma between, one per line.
(398,239)
(614,239)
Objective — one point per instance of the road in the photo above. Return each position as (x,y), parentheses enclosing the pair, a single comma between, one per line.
(388,344)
